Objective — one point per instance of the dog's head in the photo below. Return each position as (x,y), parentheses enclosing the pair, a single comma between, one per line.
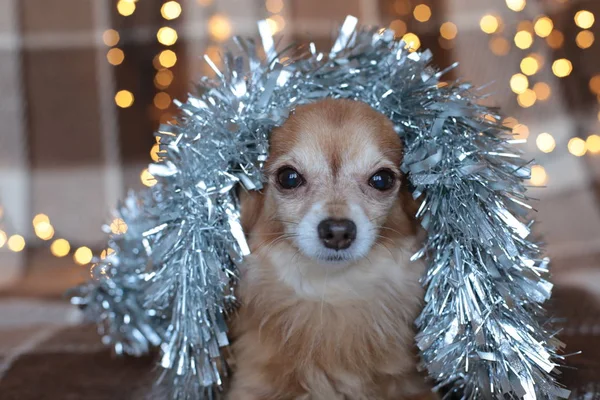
(334,184)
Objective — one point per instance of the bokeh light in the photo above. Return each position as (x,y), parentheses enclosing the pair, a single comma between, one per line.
(412,41)
(399,27)
(521,131)
(519,83)
(170,10)
(523,39)
(154,152)
(274,6)
(163,78)
(126,7)
(577,147)
(124,98)
(39,218)
(510,122)
(110,37)
(556,39)
(584,19)
(542,91)
(276,23)
(118,226)
(527,98)
(593,144)
(402,7)
(166,36)
(162,100)
(83,255)
(530,65)
(562,67)
(60,248)
(147,178)
(16,243)
(489,23)
(115,56)
(422,13)
(539,177)
(448,30)
(585,39)
(499,46)
(543,26)
(3,239)
(545,142)
(516,5)
(219,27)
(44,230)
(167,58)
(595,84)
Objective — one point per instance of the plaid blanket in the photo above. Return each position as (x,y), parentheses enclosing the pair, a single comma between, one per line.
(47,353)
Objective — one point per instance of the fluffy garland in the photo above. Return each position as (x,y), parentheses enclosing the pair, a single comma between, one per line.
(171,280)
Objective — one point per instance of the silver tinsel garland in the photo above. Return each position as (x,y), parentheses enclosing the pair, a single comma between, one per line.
(170,282)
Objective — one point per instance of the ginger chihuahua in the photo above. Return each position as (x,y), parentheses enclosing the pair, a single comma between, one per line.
(329,296)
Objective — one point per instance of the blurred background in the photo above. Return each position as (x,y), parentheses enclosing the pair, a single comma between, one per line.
(85,83)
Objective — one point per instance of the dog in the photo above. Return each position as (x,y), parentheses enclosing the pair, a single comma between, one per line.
(329,295)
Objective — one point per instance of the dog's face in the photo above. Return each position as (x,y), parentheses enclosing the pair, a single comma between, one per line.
(333,180)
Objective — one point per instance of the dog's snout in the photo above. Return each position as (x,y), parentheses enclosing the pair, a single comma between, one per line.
(337,234)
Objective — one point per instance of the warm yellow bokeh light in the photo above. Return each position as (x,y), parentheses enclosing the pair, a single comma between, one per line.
(170,10)
(115,56)
(489,23)
(529,65)
(204,2)
(523,39)
(593,144)
(110,37)
(3,239)
(510,122)
(124,98)
(44,230)
(274,6)
(448,30)
(556,39)
(16,243)
(125,7)
(162,100)
(499,46)
(83,255)
(595,84)
(542,91)
(545,142)
(147,178)
(60,248)
(527,98)
(167,58)
(167,36)
(584,19)
(562,67)
(521,131)
(154,152)
(163,78)
(105,253)
(422,13)
(525,25)
(412,41)
(219,27)
(538,176)
(399,27)
(118,226)
(577,147)
(585,39)
(516,5)
(519,83)
(543,26)
(276,23)
(39,218)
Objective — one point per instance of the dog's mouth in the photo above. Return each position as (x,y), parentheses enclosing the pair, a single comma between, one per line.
(336,258)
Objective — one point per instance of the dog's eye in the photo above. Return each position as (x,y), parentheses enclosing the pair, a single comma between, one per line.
(289,178)
(383,179)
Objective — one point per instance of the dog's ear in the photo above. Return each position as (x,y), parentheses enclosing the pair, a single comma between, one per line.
(251,206)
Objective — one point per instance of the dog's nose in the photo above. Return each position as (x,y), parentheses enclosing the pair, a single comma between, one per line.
(337,234)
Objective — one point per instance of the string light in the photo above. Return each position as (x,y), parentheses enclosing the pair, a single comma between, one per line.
(162,100)
(3,239)
(516,5)
(556,39)
(542,91)
(125,7)
(83,255)
(124,98)
(592,143)
(523,40)
(154,152)
(577,147)
(521,131)
(147,178)
(274,6)
(584,19)
(489,24)
(562,67)
(402,7)
(60,248)
(44,230)
(167,58)
(543,26)
(448,30)
(170,10)
(399,27)
(219,27)
(16,243)
(585,39)
(166,36)
(529,65)
(412,41)
(163,78)
(545,142)
(115,56)
(110,37)
(539,177)
(40,218)
(118,226)
(527,98)
(499,46)
(519,83)
(422,13)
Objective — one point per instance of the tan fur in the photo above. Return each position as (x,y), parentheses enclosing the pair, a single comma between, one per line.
(306,330)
